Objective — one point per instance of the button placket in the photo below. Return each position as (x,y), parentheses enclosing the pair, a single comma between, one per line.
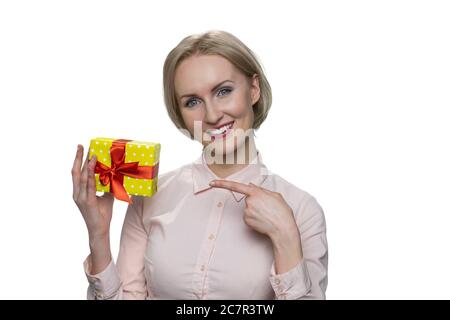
(207,248)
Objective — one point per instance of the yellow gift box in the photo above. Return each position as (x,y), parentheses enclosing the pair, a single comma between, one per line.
(125,167)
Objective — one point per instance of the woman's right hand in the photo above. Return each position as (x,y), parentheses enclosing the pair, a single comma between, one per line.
(96,211)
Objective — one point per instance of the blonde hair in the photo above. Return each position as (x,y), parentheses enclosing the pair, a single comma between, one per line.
(215,42)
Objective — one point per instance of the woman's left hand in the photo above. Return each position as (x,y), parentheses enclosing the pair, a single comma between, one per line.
(265,211)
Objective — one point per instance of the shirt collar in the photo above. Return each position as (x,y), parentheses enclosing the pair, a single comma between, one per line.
(255,172)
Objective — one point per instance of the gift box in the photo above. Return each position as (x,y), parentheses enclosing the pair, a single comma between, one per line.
(125,167)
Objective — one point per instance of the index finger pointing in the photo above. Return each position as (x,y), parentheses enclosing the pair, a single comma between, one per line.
(232,186)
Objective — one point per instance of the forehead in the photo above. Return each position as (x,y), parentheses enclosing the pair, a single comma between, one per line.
(198,74)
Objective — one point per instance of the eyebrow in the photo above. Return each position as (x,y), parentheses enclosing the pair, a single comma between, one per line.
(212,90)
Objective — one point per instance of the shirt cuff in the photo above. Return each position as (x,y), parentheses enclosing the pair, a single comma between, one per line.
(104,284)
(291,285)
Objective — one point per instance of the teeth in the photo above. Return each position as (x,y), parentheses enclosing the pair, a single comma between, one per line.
(215,131)
(220,130)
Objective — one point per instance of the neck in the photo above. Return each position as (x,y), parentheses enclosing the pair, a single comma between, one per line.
(227,168)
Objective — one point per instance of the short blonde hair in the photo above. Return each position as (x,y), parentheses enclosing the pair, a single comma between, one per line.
(215,42)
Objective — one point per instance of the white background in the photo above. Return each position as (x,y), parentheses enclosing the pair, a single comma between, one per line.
(360,119)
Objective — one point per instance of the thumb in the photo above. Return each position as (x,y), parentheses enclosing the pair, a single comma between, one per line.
(254,185)
(108,196)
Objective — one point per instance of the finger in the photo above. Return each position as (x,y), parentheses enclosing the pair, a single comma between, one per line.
(107,195)
(260,188)
(84,177)
(232,186)
(107,198)
(76,171)
(257,187)
(91,190)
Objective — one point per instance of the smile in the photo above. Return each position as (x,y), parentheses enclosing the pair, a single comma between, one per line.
(220,132)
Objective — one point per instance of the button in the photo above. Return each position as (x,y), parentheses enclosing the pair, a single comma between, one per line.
(277,281)
(220,204)
(211,237)
(202,268)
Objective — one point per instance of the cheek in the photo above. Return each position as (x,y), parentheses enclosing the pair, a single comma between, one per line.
(239,106)
(190,117)
(244,108)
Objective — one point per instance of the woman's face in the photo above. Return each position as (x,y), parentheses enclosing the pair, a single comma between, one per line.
(218,98)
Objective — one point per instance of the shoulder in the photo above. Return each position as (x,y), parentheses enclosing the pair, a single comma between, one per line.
(303,204)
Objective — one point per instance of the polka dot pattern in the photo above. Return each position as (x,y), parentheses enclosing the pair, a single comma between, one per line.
(146,153)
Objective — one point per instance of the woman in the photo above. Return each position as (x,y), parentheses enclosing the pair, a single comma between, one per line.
(223,226)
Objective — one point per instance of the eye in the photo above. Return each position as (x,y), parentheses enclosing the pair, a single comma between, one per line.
(225,91)
(188,103)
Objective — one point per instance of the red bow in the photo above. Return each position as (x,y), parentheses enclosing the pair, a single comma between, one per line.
(119,169)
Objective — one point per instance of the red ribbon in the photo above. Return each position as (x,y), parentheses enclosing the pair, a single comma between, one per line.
(119,169)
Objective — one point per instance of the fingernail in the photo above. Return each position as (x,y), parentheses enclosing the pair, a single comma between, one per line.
(212,183)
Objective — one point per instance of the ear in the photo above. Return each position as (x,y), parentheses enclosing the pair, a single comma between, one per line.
(255,89)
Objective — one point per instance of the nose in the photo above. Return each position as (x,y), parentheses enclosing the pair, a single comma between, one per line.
(213,114)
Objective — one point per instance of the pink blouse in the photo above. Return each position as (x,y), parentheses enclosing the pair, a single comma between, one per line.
(189,241)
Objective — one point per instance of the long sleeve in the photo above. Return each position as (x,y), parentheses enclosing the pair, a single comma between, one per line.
(126,280)
(307,280)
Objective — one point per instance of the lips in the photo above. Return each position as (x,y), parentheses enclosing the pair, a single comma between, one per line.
(220,131)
